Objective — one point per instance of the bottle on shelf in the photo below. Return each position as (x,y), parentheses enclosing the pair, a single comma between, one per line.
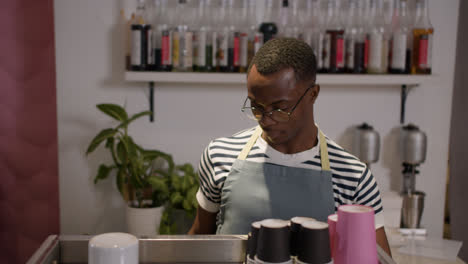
(222,37)
(234,36)
(355,38)
(401,40)
(314,31)
(268,26)
(243,25)
(283,18)
(333,56)
(378,39)
(162,40)
(202,45)
(422,40)
(126,24)
(293,28)
(182,58)
(255,37)
(141,48)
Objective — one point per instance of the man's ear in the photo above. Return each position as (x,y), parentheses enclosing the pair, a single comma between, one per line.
(314,92)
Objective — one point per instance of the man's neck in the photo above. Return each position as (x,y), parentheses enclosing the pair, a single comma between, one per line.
(301,142)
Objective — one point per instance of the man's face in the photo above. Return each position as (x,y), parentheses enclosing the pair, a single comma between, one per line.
(281,91)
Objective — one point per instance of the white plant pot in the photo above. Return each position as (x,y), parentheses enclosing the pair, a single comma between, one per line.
(144,221)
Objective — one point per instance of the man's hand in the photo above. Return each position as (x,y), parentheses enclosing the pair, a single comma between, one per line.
(205,223)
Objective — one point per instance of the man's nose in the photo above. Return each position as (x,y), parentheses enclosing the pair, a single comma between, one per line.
(266,120)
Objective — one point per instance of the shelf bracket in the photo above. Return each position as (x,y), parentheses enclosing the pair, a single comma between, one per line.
(405,89)
(151,101)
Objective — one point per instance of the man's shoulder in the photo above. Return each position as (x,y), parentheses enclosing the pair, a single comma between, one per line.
(341,158)
(235,140)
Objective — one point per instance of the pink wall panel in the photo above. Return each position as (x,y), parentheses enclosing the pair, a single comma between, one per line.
(29,205)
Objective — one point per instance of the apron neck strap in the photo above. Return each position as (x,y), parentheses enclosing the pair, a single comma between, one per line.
(245,151)
(258,131)
(324,151)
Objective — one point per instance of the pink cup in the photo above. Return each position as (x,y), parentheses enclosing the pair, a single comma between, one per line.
(332,219)
(354,240)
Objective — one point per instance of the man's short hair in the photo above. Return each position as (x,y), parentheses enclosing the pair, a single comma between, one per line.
(284,53)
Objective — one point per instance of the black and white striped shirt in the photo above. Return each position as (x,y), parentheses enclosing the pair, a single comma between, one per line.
(352,181)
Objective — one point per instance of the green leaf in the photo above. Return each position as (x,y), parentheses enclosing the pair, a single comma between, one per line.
(176,182)
(103,172)
(133,118)
(120,179)
(122,153)
(158,184)
(114,111)
(103,135)
(176,199)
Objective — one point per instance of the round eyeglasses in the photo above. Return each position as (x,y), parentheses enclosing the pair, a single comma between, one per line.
(277,115)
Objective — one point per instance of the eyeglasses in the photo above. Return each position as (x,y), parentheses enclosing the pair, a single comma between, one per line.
(278,115)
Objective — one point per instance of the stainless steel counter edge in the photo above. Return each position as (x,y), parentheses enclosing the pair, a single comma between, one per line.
(159,249)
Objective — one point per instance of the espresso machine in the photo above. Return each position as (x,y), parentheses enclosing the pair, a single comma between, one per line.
(413,146)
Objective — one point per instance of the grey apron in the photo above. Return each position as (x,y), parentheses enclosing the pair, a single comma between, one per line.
(255,191)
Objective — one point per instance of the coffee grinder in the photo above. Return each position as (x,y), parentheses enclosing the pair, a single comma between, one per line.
(413,145)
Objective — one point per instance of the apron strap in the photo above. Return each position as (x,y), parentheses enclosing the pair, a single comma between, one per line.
(258,131)
(245,151)
(324,152)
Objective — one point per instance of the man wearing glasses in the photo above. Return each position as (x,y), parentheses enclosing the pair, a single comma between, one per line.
(285,166)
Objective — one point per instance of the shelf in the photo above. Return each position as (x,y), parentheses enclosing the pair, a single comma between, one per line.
(240,78)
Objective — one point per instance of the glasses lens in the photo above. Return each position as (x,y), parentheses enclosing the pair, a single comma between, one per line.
(280,116)
(249,113)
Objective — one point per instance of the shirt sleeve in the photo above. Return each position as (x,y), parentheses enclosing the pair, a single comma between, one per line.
(367,193)
(208,195)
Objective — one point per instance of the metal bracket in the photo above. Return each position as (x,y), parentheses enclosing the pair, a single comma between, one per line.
(405,89)
(151,101)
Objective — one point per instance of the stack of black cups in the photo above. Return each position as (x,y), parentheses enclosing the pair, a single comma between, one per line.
(301,240)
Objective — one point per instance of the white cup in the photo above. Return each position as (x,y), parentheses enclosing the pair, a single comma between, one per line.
(113,248)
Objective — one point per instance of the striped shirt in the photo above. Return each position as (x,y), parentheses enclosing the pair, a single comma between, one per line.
(352,181)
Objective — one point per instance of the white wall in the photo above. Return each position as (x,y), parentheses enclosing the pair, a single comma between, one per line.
(89,71)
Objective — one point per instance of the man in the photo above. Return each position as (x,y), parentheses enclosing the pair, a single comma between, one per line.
(285,167)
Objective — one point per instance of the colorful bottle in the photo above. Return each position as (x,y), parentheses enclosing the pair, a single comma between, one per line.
(202,45)
(293,28)
(422,41)
(141,48)
(222,38)
(378,39)
(234,37)
(333,55)
(354,38)
(401,44)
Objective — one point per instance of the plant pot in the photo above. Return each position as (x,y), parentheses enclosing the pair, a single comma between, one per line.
(143,221)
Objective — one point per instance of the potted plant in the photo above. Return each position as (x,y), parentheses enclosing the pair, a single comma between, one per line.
(182,205)
(142,175)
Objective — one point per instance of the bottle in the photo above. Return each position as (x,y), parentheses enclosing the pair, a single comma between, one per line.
(222,38)
(354,38)
(234,36)
(293,28)
(243,26)
(127,23)
(255,37)
(182,57)
(422,41)
(141,56)
(314,31)
(268,26)
(202,48)
(400,46)
(283,18)
(334,40)
(378,39)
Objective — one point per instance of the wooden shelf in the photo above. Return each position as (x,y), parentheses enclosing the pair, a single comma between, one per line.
(240,78)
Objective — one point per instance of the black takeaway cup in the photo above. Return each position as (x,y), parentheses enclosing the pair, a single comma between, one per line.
(315,245)
(252,242)
(273,242)
(295,231)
